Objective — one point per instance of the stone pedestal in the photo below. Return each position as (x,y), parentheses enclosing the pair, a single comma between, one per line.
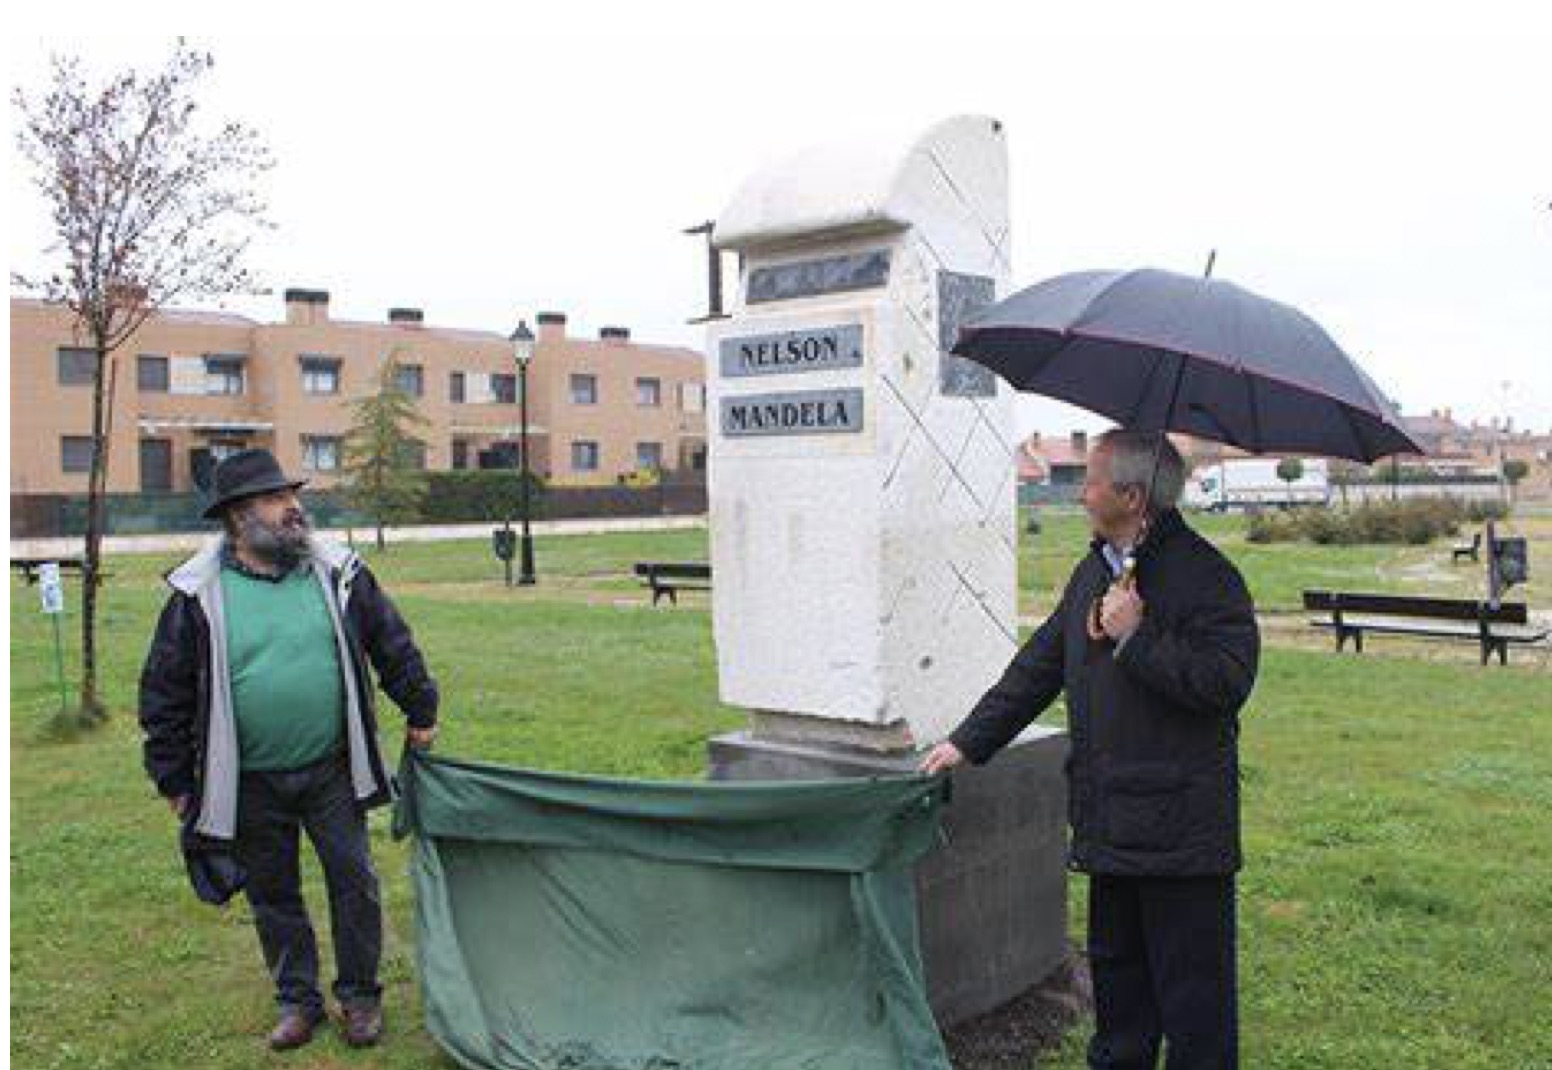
(993,899)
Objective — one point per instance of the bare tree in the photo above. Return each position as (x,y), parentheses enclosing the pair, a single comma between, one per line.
(147,209)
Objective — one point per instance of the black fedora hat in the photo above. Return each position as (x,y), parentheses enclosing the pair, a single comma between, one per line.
(245,474)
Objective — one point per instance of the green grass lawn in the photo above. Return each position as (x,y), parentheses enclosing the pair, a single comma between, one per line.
(1396,909)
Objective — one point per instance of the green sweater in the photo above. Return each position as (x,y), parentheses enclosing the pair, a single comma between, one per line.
(287,689)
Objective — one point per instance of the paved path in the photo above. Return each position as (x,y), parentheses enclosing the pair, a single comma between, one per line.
(190,540)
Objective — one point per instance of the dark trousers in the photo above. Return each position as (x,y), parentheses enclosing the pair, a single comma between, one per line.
(1162,954)
(272,808)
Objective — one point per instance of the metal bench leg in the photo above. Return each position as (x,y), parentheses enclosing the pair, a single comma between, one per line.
(1358,641)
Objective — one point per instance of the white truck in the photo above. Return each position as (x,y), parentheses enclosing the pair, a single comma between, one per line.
(1252,483)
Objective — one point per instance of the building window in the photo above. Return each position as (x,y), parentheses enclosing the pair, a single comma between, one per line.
(584,390)
(649,455)
(413,455)
(75,453)
(410,379)
(500,455)
(692,397)
(460,453)
(321,453)
(584,456)
(649,393)
(152,374)
(222,448)
(504,388)
(320,375)
(698,459)
(223,375)
(77,366)
(457,388)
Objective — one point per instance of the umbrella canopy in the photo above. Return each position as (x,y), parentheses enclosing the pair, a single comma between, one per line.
(1159,351)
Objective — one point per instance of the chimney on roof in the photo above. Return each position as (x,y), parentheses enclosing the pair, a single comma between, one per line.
(1080,442)
(615,334)
(407,317)
(307,307)
(552,326)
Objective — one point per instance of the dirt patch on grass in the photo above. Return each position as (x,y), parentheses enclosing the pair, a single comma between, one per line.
(1013,1035)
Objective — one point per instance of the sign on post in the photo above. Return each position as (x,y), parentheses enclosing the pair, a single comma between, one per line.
(50,589)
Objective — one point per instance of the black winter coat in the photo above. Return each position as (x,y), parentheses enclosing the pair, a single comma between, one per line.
(175,684)
(1153,773)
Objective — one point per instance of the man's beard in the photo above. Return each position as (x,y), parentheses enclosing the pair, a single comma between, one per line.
(282,545)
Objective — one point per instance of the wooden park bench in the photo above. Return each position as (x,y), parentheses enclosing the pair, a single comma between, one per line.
(29,566)
(1470,549)
(1349,616)
(670,577)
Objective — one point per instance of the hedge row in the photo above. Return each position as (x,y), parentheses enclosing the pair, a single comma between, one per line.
(1414,521)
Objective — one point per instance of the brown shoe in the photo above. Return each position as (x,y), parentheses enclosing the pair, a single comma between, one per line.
(363,1025)
(295,1028)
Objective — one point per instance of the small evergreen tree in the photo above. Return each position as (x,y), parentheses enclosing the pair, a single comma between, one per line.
(1290,470)
(381,474)
(1515,470)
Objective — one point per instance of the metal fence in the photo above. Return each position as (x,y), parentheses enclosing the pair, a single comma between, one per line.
(43,516)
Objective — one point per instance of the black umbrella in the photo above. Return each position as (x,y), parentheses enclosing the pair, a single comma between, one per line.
(1158,351)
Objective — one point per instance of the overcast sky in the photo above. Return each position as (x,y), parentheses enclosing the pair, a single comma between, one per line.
(1390,177)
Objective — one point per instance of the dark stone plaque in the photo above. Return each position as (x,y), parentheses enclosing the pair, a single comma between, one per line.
(801,412)
(960,297)
(814,349)
(807,278)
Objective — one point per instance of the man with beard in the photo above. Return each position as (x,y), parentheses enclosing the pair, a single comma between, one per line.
(1156,647)
(258,713)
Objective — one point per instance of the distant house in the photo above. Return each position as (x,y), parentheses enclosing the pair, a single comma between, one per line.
(1063,460)
(1054,461)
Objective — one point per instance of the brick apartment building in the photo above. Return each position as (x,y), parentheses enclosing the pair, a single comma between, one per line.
(192,386)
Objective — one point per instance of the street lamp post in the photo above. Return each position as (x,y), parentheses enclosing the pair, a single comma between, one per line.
(523,351)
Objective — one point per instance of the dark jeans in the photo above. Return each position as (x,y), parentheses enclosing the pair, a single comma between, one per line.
(1162,954)
(272,807)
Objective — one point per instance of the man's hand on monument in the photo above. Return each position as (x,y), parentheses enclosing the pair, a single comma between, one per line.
(179,804)
(941,758)
(1121,612)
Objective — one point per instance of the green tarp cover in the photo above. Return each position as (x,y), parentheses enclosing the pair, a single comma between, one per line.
(590,923)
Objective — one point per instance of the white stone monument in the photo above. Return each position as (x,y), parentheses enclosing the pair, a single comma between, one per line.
(862,480)
(862,524)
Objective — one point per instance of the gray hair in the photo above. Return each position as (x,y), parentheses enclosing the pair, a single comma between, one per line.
(1132,462)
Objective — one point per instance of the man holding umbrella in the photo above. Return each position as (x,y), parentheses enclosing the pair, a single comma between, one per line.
(1155,639)
(1155,644)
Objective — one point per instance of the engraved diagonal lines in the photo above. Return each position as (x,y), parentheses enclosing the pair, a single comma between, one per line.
(994,241)
(979,599)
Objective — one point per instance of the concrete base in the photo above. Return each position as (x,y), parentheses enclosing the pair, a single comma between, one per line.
(826,733)
(993,900)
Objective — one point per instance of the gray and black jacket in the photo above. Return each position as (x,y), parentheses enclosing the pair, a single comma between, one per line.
(185,689)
